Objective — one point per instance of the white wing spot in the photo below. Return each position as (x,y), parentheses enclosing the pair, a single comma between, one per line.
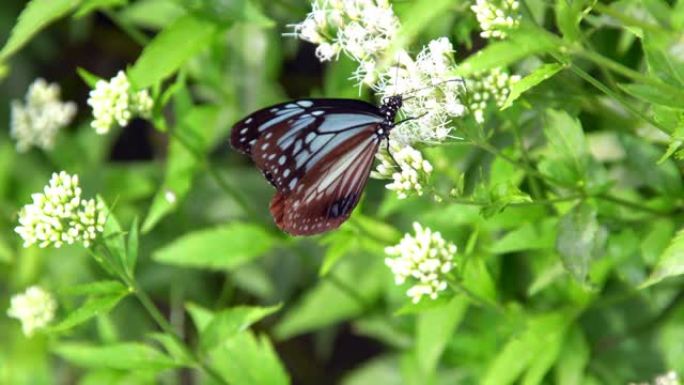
(248,121)
(317,113)
(264,146)
(281,160)
(251,142)
(309,137)
(305,103)
(268,135)
(286,173)
(270,157)
(244,130)
(293,183)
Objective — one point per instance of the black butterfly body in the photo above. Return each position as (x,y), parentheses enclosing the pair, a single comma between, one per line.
(318,154)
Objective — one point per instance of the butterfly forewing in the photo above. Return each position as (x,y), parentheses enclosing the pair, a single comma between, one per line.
(327,195)
(287,140)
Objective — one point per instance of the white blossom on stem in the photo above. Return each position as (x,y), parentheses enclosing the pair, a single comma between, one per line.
(114,103)
(424,259)
(669,378)
(494,85)
(496,17)
(36,121)
(432,96)
(35,308)
(406,167)
(59,215)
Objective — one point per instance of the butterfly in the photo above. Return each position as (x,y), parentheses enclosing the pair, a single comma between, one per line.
(318,154)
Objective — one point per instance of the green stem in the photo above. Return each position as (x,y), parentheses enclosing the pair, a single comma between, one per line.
(457,286)
(630,204)
(625,19)
(166,327)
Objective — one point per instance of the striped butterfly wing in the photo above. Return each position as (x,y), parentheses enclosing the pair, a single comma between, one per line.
(317,153)
(326,196)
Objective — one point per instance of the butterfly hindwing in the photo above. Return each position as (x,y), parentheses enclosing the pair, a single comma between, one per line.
(326,196)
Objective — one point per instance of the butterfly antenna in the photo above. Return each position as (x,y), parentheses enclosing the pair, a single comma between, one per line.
(433,86)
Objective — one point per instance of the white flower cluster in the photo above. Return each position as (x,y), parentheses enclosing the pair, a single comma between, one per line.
(669,378)
(362,29)
(114,103)
(413,170)
(425,257)
(496,17)
(431,96)
(37,120)
(493,85)
(35,308)
(58,215)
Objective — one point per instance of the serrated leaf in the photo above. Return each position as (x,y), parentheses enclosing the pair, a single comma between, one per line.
(530,81)
(225,247)
(92,307)
(521,351)
(114,239)
(250,360)
(522,43)
(566,157)
(37,15)
(434,330)
(170,49)
(580,239)
(228,323)
(529,236)
(174,348)
(659,61)
(121,356)
(670,263)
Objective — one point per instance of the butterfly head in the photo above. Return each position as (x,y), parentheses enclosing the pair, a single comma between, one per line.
(389,108)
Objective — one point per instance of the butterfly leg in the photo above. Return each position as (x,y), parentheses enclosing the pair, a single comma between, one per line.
(392,156)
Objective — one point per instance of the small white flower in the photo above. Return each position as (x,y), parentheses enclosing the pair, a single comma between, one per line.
(361,29)
(432,97)
(413,170)
(35,308)
(669,378)
(425,259)
(58,215)
(114,103)
(483,87)
(496,17)
(36,121)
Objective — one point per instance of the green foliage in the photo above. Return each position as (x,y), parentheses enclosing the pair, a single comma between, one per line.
(564,201)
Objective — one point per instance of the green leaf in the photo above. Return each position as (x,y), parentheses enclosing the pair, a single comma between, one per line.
(175,349)
(568,17)
(353,283)
(37,15)
(522,351)
(530,81)
(580,239)
(187,149)
(566,155)
(339,244)
(670,263)
(249,360)
(170,49)
(529,236)
(122,356)
(660,63)
(152,14)
(228,323)
(434,329)
(642,161)
(89,6)
(225,247)
(89,78)
(132,245)
(114,240)
(225,13)
(500,196)
(651,94)
(522,43)
(6,253)
(95,288)
(201,317)
(422,14)
(92,307)
(573,359)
